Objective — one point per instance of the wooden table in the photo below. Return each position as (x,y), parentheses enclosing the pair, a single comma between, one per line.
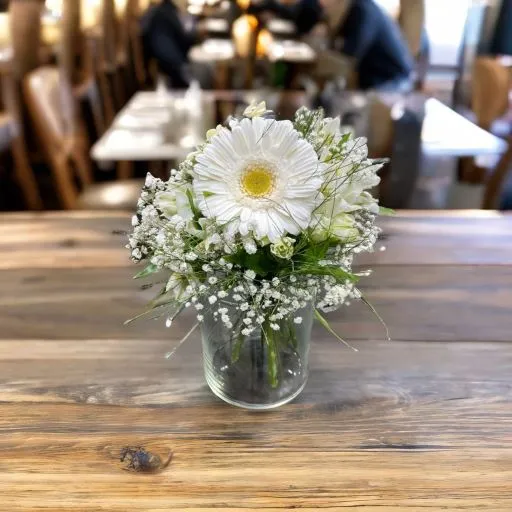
(423,422)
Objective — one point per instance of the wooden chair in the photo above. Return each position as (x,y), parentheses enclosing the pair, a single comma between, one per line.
(395,132)
(75,58)
(490,91)
(497,180)
(11,138)
(113,57)
(145,72)
(92,84)
(489,102)
(25,30)
(25,24)
(48,95)
(411,20)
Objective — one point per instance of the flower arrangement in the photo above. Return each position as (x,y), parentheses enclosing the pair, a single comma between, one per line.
(258,224)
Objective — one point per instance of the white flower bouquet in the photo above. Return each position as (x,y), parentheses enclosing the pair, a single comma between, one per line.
(257,231)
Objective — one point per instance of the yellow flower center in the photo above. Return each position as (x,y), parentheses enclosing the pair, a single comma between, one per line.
(257,180)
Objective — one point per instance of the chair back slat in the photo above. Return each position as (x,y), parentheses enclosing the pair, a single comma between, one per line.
(490,88)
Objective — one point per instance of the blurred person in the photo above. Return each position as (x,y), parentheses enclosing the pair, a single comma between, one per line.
(166,40)
(371,42)
(363,36)
(501,43)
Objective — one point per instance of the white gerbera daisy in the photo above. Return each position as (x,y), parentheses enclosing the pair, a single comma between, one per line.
(259,177)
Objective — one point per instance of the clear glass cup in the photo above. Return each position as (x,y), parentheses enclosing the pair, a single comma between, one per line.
(264,370)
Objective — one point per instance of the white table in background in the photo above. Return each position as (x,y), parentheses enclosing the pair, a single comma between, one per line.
(140,132)
(447,133)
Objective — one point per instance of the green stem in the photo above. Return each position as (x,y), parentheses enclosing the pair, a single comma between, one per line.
(237,347)
(273,358)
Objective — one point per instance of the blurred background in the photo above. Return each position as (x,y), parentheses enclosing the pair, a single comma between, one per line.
(95,93)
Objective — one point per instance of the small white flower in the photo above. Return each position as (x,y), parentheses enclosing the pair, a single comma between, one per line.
(200,318)
(212,299)
(237,297)
(297,320)
(175,202)
(222,294)
(246,331)
(274,327)
(225,318)
(250,274)
(250,246)
(256,110)
(168,322)
(212,280)
(247,321)
(283,248)
(150,180)
(244,306)
(199,306)
(135,220)
(214,131)
(275,281)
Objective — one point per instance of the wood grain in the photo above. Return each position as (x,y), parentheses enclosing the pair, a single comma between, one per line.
(419,302)
(423,422)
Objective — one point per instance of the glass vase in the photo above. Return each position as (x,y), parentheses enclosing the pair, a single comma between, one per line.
(263,370)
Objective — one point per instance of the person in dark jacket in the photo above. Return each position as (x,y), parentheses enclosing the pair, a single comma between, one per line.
(502,39)
(167,41)
(374,43)
(368,37)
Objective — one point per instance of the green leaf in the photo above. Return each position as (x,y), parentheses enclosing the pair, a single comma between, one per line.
(336,272)
(379,318)
(195,210)
(208,194)
(150,269)
(261,262)
(317,251)
(325,324)
(387,212)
